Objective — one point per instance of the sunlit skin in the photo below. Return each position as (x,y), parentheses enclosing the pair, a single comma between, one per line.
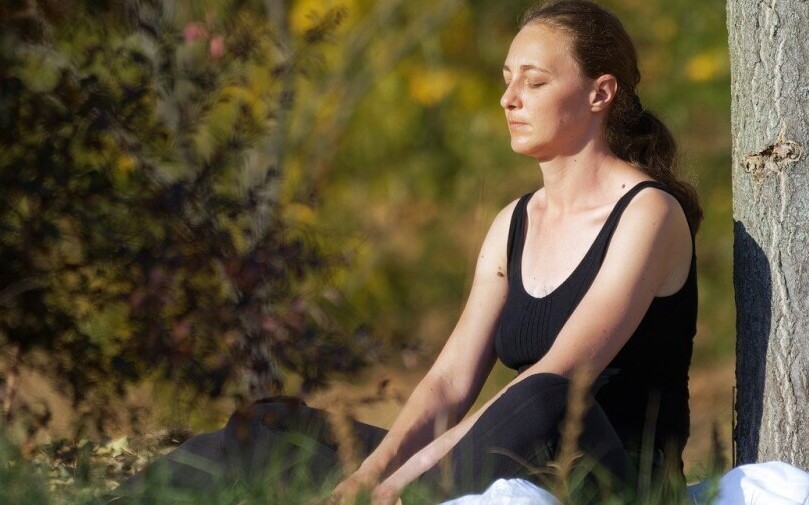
(547,100)
(555,114)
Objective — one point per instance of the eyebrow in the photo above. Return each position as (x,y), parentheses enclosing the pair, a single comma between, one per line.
(525,68)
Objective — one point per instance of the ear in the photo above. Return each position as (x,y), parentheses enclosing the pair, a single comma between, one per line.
(603,92)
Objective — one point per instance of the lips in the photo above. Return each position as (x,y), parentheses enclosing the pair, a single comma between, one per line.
(516,124)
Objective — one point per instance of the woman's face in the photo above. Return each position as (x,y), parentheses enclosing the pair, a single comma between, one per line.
(547,98)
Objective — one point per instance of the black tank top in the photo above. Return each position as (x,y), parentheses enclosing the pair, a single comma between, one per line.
(648,379)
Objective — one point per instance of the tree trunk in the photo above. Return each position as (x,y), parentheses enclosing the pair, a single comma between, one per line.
(770,88)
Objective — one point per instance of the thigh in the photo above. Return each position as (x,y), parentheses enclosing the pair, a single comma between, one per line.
(520,433)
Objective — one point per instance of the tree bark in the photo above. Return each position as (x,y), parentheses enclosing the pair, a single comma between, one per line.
(770,124)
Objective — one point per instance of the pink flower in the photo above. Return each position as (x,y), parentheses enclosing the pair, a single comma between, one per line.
(216,47)
(194,31)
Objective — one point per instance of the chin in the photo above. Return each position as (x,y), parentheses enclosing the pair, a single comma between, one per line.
(525,150)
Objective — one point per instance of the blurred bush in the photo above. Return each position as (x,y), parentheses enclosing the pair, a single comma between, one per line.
(144,228)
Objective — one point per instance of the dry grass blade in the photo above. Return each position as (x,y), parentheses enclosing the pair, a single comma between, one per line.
(572,426)
(341,421)
(445,465)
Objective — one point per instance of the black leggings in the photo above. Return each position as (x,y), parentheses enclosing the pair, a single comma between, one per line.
(516,435)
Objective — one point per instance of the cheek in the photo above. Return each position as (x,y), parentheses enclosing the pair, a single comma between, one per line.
(573,109)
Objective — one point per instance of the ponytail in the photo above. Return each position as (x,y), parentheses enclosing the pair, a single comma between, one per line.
(638,136)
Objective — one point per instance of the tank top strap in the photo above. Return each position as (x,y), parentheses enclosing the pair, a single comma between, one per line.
(516,235)
(516,232)
(605,235)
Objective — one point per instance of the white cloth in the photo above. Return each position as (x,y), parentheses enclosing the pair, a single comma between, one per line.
(772,483)
(508,492)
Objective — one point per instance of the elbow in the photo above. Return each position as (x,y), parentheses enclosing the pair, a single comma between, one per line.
(453,398)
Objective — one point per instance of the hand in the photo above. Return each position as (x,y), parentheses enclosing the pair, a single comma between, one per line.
(346,492)
(385,494)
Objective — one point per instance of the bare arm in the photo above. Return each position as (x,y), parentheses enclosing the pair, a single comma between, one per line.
(454,381)
(649,252)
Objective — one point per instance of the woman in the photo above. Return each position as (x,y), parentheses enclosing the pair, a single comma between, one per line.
(595,271)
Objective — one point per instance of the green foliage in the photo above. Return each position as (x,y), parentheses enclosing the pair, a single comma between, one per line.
(144,227)
(19,483)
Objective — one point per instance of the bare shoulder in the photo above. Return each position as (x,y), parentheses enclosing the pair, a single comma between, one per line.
(493,253)
(498,231)
(654,232)
(658,209)
(503,218)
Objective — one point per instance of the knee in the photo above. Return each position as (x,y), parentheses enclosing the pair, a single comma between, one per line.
(544,396)
(546,380)
(547,389)
(538,400)
(274,413)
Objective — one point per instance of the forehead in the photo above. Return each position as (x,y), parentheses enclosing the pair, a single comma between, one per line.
(540,46)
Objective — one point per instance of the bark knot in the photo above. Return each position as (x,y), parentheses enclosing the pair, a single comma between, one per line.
(772,158)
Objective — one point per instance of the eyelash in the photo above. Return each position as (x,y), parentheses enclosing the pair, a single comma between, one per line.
(529,85)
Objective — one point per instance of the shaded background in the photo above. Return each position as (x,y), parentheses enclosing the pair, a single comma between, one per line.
(346,212)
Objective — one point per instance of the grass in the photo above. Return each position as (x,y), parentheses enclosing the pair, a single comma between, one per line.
(86,482)
(87,473)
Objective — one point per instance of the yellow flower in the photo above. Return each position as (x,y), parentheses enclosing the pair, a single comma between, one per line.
(707,66)
(431,86)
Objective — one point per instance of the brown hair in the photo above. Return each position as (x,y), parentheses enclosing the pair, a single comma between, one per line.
(601,46)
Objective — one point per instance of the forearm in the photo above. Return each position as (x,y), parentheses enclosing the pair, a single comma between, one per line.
(430,455)
(430,405)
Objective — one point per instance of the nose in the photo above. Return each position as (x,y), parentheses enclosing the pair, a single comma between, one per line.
(511,98)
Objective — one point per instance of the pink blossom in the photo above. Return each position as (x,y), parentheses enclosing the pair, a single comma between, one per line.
(217,47)
(194,31)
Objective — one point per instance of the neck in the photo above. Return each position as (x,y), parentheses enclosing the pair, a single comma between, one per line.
(578,181)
